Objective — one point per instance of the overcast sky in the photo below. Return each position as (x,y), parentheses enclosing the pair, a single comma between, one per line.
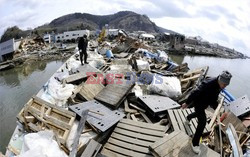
(226,22)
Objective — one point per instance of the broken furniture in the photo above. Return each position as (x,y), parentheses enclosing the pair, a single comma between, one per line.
(131,138)
(39,115)
(99,116)
(178,117)
(113,94)
(178,144)
(158,104)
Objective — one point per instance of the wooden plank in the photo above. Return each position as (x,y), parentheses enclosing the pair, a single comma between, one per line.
(125,151)
(114,94)
(191,125)
(164,139)
(145,117)
(78,133)
(179,121)
(89,91)
(129,146)
(136,135)
(92,149)
(143,125)
(108,153)
(216,112)
(171,144)
(173,120)
(183,119)
(41,101)
(193,121)
(179,145)
(131,140)
(141,130)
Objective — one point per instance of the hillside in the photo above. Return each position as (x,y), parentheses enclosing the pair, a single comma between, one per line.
(127,20)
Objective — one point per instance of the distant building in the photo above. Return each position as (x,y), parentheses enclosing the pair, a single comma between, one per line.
(177,41)
(112,32)
(146,37)
(7,49)
(71,35)
(47,38)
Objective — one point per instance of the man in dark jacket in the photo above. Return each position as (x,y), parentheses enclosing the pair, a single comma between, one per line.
(82,46)
(206,94)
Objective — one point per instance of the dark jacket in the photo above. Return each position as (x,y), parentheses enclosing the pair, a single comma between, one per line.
(83,43)
(206,94)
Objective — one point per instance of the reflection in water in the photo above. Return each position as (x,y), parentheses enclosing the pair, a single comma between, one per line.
(17,86)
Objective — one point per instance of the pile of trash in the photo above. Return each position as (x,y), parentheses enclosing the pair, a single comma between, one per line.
(125,102)
(29,45)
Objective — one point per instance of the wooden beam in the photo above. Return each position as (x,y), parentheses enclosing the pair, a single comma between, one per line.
(80,127)
(217,111)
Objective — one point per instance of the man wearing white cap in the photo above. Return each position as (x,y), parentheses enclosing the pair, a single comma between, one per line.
(203,96)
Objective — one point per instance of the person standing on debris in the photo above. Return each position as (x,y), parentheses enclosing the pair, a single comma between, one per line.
(206,94)
(82,45)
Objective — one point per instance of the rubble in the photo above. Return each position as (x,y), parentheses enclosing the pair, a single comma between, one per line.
(107,108)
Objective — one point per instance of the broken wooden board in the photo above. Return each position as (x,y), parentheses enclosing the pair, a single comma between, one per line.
(132,138)
(158,104)
(240,106)
(113,94)
(102,121)
(92,149)
(84,71)
(89,90)
(178,117)
(47,116)
(178,144)
(235,121)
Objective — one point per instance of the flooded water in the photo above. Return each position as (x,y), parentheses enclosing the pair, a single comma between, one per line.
(240,82)
(16,88)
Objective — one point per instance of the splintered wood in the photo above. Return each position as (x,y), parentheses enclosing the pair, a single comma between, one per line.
(132,138)
(40,115)
(178,144)
(178,117)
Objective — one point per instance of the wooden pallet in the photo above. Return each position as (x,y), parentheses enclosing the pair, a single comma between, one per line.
(39,115)
(131,138)
(158,104)
(83,73)
(178,116)
(178,144)
(88,90)
(113,94)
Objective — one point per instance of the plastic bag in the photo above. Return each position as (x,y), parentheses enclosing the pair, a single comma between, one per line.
(41,144)
(166,86)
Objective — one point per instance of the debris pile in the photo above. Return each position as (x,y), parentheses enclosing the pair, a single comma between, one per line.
(126,102)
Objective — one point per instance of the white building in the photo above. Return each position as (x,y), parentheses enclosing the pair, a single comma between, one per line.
(7,49)
(112,32)
(47,38)
(146,36)
(71,35)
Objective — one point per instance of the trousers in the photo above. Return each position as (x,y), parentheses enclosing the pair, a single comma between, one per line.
(202,119)
(83,52)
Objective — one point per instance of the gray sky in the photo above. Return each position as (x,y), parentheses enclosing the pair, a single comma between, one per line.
(219,21)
